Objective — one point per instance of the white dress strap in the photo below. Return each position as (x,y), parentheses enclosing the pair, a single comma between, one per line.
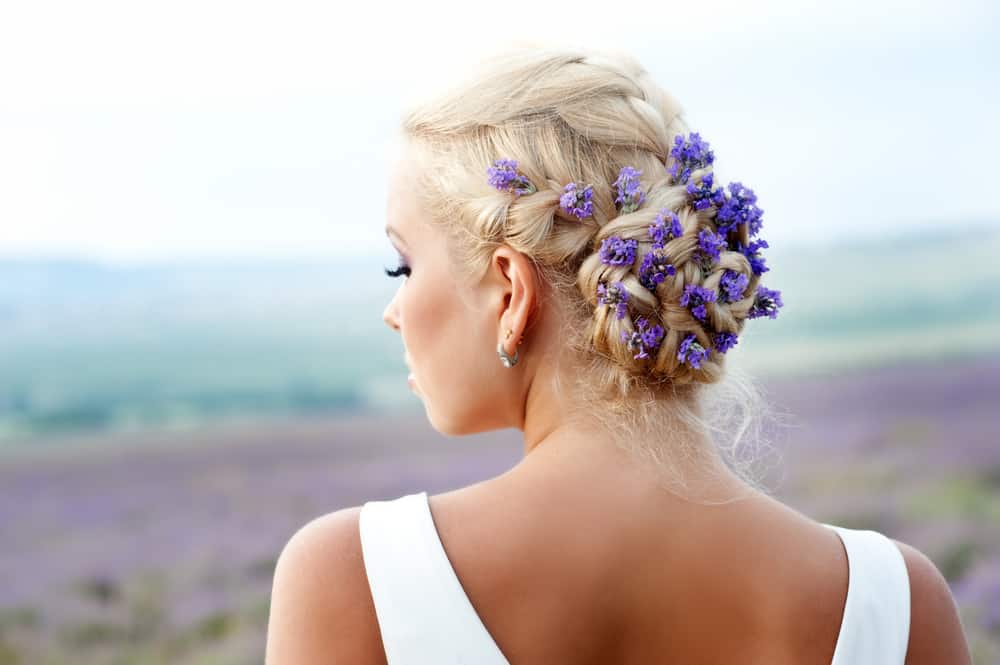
(876,624)
(423,612)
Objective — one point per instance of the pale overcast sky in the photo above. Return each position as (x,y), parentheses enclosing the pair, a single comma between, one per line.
(133,131)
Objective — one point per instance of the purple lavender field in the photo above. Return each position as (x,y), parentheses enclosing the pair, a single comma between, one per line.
(160,548)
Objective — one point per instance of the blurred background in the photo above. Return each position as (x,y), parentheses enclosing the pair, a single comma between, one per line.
(193,362)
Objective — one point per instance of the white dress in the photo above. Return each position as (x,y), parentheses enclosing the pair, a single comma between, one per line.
(426,618)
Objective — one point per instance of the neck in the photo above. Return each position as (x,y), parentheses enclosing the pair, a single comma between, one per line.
(675,458)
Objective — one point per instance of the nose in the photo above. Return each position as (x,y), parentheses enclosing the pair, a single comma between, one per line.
(389,315)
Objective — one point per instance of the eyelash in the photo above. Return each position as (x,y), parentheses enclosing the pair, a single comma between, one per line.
(401,269)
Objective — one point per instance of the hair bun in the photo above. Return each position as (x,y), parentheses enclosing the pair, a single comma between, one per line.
(672,289)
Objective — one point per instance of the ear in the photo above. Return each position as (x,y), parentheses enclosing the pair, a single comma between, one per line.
(518,282)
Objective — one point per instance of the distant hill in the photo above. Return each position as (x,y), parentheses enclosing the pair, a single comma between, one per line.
(91,346)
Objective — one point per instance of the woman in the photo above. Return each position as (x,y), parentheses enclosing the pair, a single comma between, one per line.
(556,206)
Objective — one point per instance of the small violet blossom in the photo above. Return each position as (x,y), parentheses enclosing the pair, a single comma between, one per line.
(695,297)
(630,196)
(616,295)
(692,153)
(703,194)
(752,252)
(644,340)
(617,252)
(655,268)
(766,303)
(733,285)
(740,208)
(661,230)
(576,201)
(710,244)
(503,176)
(691,352)
(724,341)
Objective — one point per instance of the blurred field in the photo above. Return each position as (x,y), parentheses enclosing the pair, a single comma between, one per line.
(165,428)
(162,550)
(87,347)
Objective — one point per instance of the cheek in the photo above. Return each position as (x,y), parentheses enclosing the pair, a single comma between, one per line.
(441,339)
(426,317)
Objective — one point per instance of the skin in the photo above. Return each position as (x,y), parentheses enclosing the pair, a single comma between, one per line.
(576,554)
(446,320)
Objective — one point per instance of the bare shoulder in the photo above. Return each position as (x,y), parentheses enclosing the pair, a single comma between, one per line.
(321,606)
(936,632)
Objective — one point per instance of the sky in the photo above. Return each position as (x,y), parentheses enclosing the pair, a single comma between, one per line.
(135,132)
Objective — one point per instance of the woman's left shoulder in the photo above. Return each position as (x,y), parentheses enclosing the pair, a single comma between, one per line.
(936,631)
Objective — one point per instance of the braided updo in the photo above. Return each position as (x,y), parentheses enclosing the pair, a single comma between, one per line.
(653,287)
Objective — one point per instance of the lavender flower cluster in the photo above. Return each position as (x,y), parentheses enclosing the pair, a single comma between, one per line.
(733,209)
(689,154)
(655,268)
(616,251)
(704,195)
(503,176)
(724,341)
(615,295)
(645,340)
(710,247)
(739,208)
(661,231)
(630,196)
(577,201)
(696,298)
(691,352)
(752,252)
(733,286)
(766,303)
(735,206)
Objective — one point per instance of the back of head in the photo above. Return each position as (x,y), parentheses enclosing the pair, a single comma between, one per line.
(580,161)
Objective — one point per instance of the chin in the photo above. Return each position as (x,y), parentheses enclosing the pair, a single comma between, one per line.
(444,426)
(460,424)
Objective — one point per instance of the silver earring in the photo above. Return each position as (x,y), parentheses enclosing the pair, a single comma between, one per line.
(507,360)
(504,357)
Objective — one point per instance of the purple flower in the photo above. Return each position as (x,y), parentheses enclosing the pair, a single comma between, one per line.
(504,177)
(733,285)
(766,303)
(723,341)
(690,154)
(577,202)
(617,252)
(703,195)
(629,195)
(661,231)
(644,340)
(740,208)
(616,295)
(695,297)
(655,268)
(752,252)
(710,244)
(691,352)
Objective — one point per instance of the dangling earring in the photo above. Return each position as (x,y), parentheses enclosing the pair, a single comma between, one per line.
(506,359)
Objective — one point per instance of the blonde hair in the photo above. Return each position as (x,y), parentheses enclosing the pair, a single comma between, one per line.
(568,115)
